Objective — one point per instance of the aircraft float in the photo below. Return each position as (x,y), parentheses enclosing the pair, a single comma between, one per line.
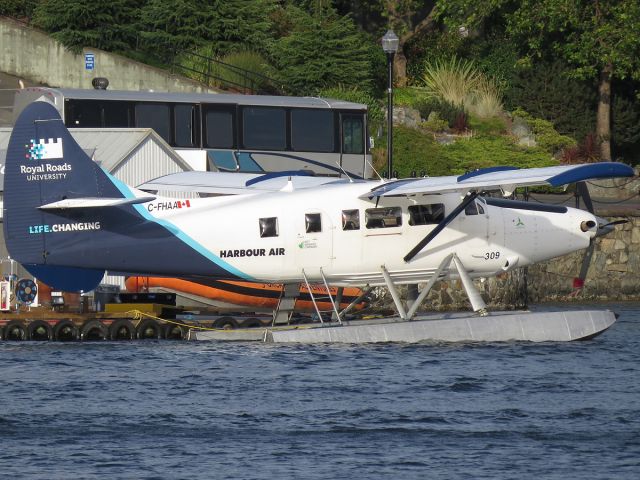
(67,221)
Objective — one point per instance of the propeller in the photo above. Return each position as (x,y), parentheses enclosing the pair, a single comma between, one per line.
(604,228)
(441,226)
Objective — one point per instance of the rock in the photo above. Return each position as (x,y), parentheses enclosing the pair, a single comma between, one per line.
(407,116)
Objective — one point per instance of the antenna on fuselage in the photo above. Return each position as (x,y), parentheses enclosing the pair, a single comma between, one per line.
(345,172)
(375,171)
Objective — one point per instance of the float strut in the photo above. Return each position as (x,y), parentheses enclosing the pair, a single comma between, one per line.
(393,292)
(423,293)
(477,303)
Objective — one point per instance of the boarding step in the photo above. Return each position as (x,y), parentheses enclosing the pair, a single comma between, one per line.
(283,312)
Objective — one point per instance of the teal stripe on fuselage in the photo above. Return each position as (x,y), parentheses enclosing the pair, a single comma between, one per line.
(124,189)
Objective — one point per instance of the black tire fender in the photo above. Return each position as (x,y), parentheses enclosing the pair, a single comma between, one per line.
(252,322)
(175,331)
(122,329)
(149,329)
(225,323)
(93,330)
(66,331)
(39,331)
(15,330)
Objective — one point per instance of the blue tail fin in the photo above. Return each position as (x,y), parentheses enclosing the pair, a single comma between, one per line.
(46,165)
(67,220)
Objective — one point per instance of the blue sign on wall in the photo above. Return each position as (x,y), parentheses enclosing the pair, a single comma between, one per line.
(89,61)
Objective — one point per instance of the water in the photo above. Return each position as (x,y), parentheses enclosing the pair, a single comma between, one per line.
(165,410)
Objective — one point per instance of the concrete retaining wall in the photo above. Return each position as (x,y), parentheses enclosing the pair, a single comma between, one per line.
(30,53)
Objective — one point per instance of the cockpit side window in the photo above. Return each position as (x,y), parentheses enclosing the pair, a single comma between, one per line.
(471,209)
(474,208)
(426,214)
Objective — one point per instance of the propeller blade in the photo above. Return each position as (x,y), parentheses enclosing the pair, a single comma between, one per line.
(583,191)
(441,226)
(586,262)
(607,228)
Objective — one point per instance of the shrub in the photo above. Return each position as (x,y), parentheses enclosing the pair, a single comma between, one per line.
(445,110)
(546,136)
(434,123)
(487,126)
(412,151)
(481,152)
(409,96)
(486,99)
(453,80)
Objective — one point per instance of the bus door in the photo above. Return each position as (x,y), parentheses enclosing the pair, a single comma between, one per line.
(353,149)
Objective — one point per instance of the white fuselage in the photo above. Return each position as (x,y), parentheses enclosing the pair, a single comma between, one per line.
(276,236)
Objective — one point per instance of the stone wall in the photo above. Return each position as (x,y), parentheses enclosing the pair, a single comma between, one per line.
(30,53)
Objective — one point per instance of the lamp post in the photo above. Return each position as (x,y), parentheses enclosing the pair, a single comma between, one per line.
(390,43)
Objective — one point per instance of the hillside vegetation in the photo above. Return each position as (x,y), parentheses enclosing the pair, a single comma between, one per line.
(518,83)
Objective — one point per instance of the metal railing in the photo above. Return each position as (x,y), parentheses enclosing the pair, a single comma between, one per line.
(216,73)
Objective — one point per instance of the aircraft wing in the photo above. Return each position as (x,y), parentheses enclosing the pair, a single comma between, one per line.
(225,183)
(506,179)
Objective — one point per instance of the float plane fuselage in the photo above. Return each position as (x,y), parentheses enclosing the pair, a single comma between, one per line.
(67,220)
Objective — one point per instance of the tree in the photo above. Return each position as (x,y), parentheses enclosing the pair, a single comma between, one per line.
(321,50)
(224,25)
(597,38)
(105,24)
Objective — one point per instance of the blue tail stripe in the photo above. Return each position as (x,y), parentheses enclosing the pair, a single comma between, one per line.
(126,191)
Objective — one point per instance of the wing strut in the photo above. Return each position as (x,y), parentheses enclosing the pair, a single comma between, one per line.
(471,196)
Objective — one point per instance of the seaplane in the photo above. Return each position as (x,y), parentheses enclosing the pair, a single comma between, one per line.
(67,221)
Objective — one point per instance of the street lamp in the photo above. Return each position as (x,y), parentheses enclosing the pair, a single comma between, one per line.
(390,43)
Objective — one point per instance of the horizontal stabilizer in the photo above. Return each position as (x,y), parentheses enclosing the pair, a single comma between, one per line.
(94,203)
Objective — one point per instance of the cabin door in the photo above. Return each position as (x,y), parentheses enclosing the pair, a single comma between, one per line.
(314,242)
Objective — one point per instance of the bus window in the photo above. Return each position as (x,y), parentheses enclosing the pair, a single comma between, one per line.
(352,134)
(219,129)
(116,114)
(183,116)
(312,130)
(426,214)
(264,128)
(154,115)
(83,113)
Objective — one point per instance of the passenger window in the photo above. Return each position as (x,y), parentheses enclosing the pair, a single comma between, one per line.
(219,129)
(426,214)
(155,116)
(383,217)
(264,128)
(269,227)
(312,130)
(350,220)
(312,222)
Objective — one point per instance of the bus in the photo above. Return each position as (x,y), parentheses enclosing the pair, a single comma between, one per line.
(228,132)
